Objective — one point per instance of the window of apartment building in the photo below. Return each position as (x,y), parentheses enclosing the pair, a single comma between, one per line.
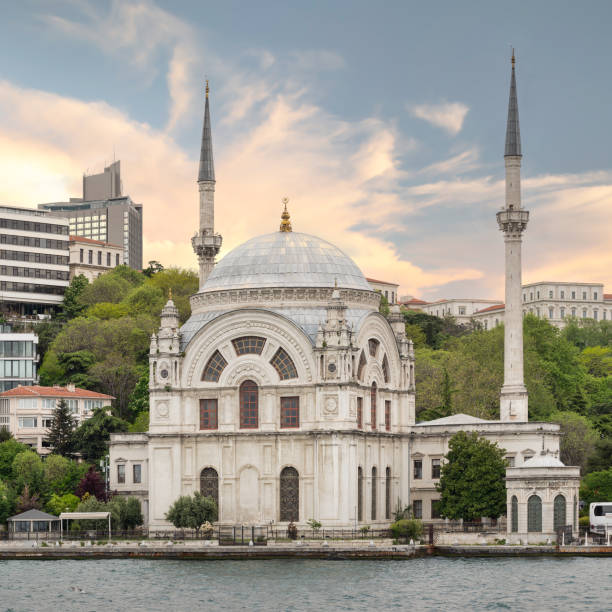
(595,314)
(90,256)
(360,413)
(99,258)
(46,422)
(290,412)
(49,403)
(562,294)
(417,470)
(388,415)
(510,461)
(26,403)
(573,312)
(393,297)
(90,404)
(603,315)
(584,313)
(584,295)
(435,469)
(208,414)
(417,508)
(73,404)
(121,473)
(116,259)
(524,298)
(531,295)
(551,313)
(461,310)
(550,294)
(594,295)
(562,312)
(435,509)
(81,255)
(108,260)
(573,295)
(28,422)
(137,473)
(538,294)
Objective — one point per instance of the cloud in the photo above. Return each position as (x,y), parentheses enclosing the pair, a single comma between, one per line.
(460,163)
(448,116)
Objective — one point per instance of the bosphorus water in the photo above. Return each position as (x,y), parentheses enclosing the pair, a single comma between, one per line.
(436,583)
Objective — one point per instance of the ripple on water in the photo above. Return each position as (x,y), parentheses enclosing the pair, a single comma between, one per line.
(299,585)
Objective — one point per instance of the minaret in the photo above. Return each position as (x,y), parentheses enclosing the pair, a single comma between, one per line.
(206,243)
(512,220)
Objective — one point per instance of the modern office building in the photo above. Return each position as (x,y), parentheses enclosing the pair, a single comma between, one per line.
(104,214)
(18,359)
(33,262)
(93,257)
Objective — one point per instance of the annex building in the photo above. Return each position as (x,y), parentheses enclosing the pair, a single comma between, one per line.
(287,396)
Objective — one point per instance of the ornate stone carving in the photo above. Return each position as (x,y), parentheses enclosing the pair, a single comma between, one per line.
(330,404)
(162,409)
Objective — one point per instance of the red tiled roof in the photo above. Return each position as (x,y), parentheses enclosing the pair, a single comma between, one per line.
(415,301)
(38,391)
(489,308)
(607,296)
(92,241)
(373,280)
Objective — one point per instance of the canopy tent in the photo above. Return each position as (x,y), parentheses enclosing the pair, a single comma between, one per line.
(32,521)
(85,516)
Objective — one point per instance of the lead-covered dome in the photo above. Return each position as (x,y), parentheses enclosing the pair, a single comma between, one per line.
(285,259)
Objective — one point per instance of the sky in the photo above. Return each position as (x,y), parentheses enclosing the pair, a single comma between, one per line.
(382,122)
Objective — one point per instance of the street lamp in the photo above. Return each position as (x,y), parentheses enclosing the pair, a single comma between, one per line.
(105,469)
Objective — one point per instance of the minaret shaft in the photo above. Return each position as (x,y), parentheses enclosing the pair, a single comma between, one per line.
(512,220)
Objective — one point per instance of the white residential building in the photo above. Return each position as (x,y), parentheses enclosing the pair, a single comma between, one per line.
(30,410)
(93,257)
(461,309)
(389,290)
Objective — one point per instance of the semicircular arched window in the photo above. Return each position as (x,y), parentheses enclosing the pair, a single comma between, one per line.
(559,512)
(289,495)
(284,365)
(514,513)
(362,364)
(216,364)
(373,344)
(534,514)
(385,369)
(209,484)
(248,345)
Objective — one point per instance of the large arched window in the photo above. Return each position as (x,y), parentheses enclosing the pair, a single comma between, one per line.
(373,346)
(514,513)
(209,484)
(284,365)
(362,364)
(359,494)
(246,345)
(534,514)
(559,512)
(289,495)
(373,406)
(249,405)
(374,479)
(388,493)
(385,369)
(216,364)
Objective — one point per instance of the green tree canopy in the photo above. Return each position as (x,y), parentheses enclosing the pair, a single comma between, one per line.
(28,471)
(73,306)
(8,451)
(62,503)
(191,511)
(60,435)
(92,435)
(7,501)
(597,486)
(472,478)
(578,438)
(126,512)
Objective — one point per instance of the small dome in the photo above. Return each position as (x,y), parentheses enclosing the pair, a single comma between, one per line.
(543,461)
(285,259)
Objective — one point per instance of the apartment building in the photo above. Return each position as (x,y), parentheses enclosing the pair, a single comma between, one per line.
(389,290)
(18,358)
(93,257)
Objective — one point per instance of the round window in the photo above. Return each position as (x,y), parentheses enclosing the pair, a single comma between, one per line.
(163,373)
(331,367)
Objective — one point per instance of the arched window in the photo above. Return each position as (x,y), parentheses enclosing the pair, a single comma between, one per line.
(209,484)
(514,513)
(373,346)
(249,405)
(289,495)
(246,345)
(534,514)
(374,478)
(385,369)
(362,364)
(559,512)
(359,494)
(283,365)
(373,406)
(388,493)
(216,364)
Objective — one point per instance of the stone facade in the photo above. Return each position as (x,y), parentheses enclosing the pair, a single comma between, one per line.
(93,257)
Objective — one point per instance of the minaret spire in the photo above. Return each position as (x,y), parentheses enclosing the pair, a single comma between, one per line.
(512,221)
(206,243)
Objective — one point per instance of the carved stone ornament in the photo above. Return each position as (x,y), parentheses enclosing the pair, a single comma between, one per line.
(161,408)
(330,405)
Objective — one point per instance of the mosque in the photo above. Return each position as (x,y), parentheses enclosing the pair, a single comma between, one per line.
(287,396)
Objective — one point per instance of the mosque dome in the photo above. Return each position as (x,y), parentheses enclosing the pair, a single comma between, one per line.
(285,259)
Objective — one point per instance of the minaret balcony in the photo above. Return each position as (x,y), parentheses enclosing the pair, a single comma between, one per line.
(207,244)
(512,221)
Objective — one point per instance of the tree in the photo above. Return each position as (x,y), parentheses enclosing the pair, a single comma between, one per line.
(62,475)
(153,268)
(126,512)
(28,472)
(7,502)
(597,486)
(61,433)
(190,512)
(139,399)
(578,438)
(140,424)
(383,307)
(472,478)
(92,435)
(8,451)
(28,501)
(106,288)
(92,485)
(601,459)
(184,283)
(47,332)
(5,434)
(72,306)
(62,503)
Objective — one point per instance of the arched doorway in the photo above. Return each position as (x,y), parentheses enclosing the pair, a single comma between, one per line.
(514,513)
(289,495)
(359,494)
(559,512)
(534,514)
(374,491)
(209,484)
(388,493)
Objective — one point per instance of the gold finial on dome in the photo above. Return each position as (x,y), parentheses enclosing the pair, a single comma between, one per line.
(170,293)
(285,225)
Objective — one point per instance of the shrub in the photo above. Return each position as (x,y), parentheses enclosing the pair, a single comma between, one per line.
(584,521)
(408,529)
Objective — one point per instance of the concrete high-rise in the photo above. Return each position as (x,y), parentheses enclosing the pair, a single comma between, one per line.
(206,243)
(512,220)
(104,214)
